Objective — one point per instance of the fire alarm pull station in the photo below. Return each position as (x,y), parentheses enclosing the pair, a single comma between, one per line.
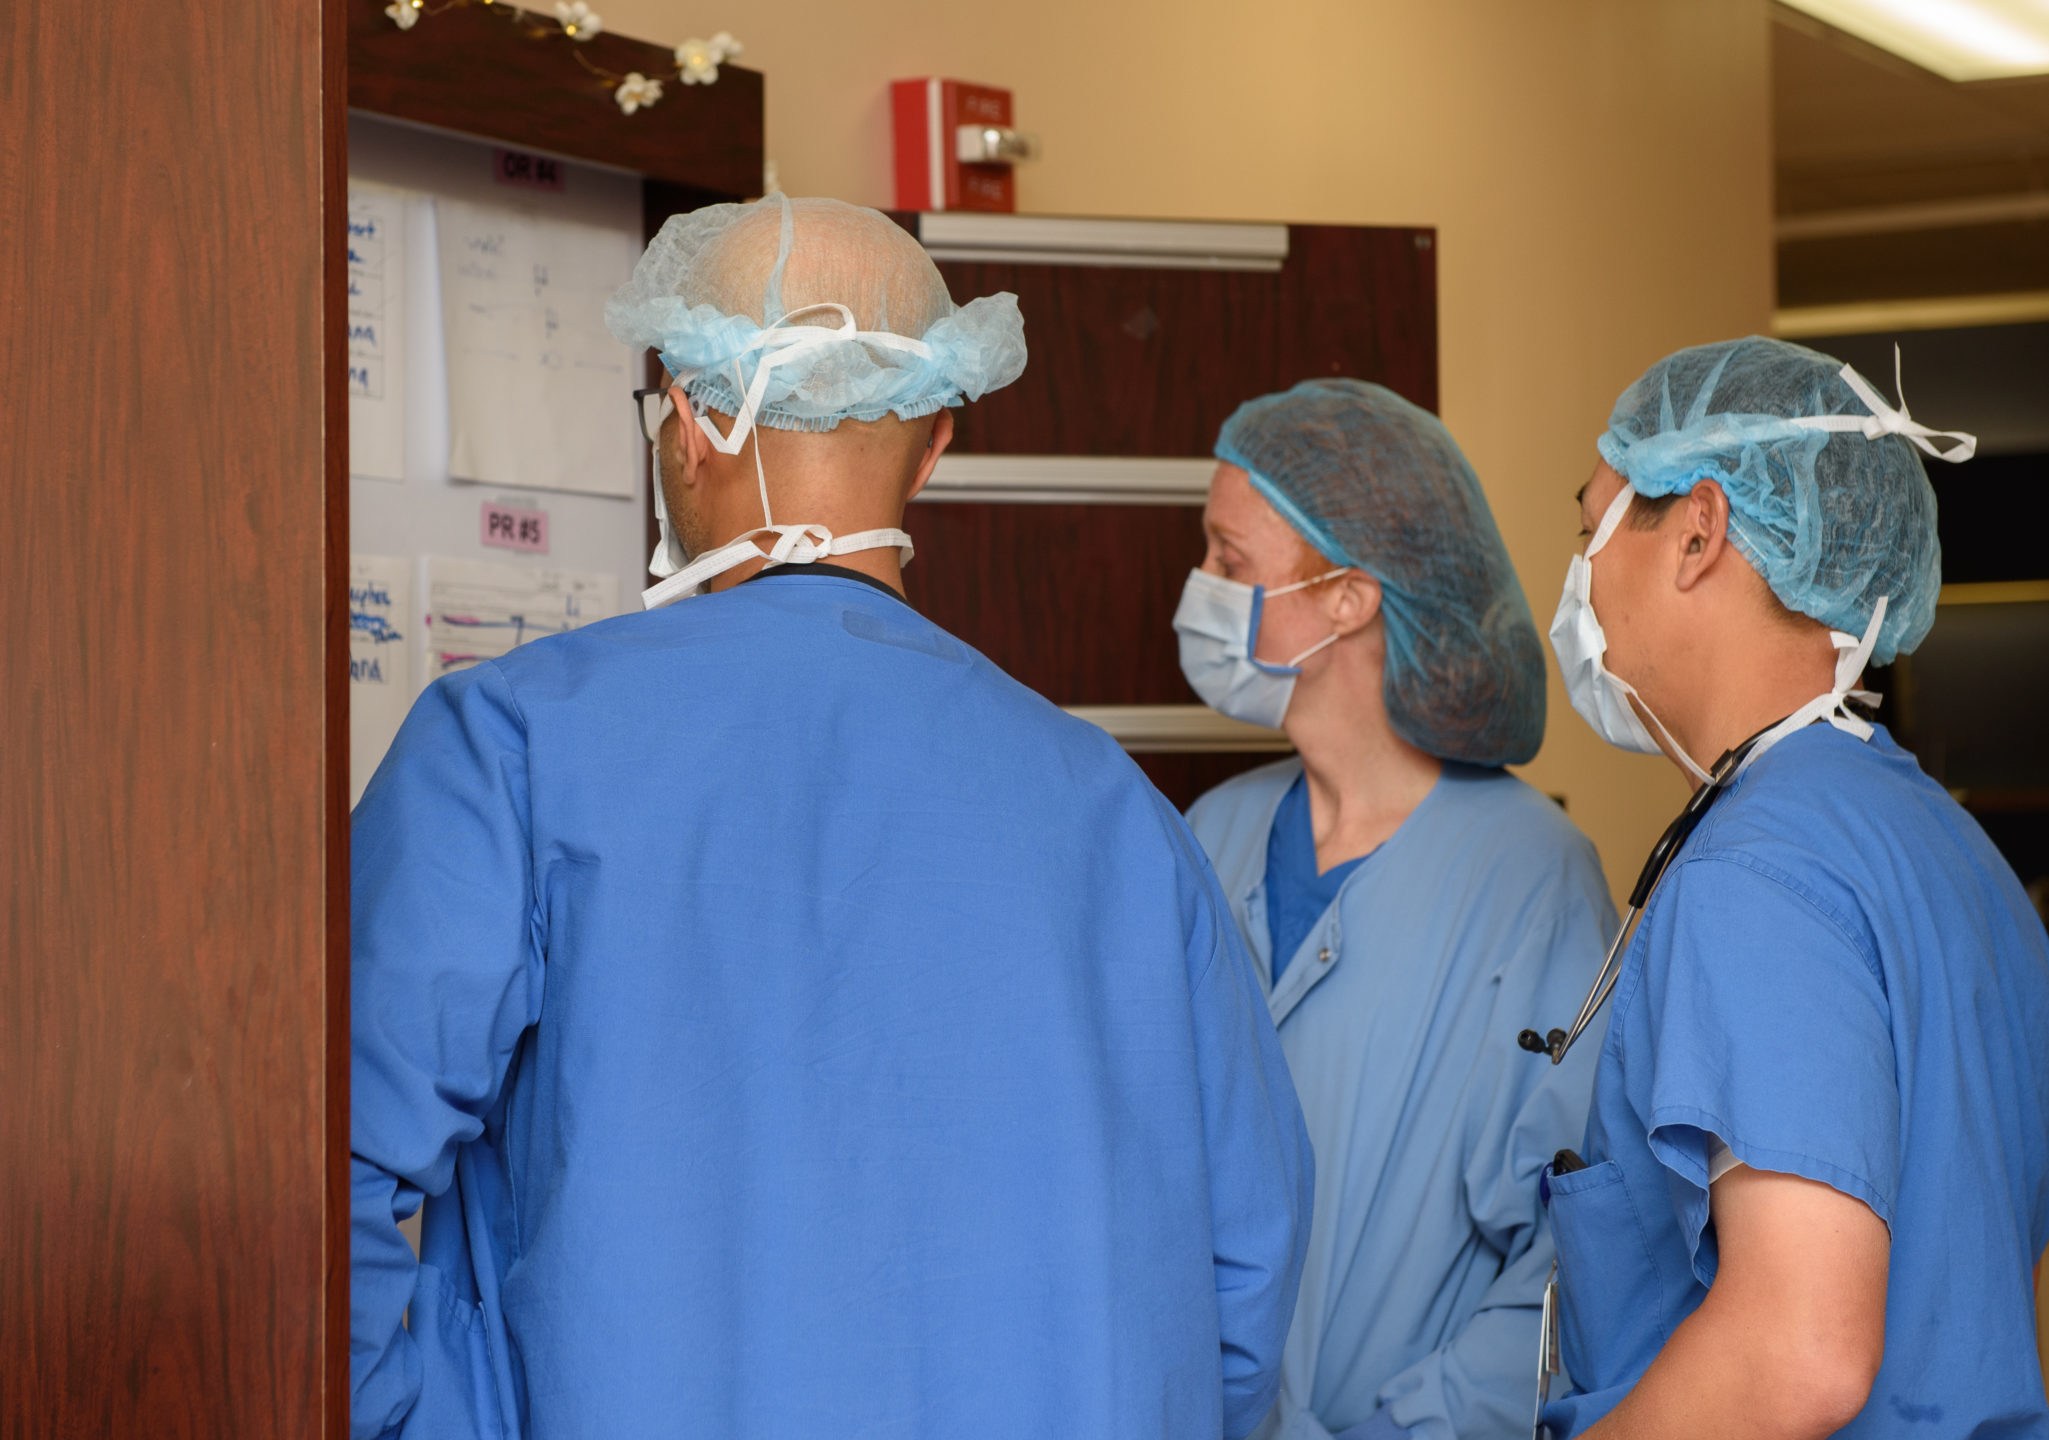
(955,146)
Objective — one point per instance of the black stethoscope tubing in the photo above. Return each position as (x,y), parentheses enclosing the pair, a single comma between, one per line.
(1557,1042)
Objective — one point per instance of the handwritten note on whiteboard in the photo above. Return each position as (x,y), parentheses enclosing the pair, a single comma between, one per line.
(380,660)
(377,356)
(539,393)
(477,610)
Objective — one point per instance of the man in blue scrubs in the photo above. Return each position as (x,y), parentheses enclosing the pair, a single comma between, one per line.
(795,1027)
(1406,898)
(1816,1179)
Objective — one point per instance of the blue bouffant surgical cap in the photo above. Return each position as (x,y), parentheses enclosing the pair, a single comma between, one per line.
(734,298)
(1827,497)
(1378,484)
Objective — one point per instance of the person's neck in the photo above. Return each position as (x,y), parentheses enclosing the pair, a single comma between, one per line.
(1746,685)
(885,564)
(1363,779)
(806,507)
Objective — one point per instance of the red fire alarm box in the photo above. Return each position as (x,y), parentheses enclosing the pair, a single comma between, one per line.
(954,146)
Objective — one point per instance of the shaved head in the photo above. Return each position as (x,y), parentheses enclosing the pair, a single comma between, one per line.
(838,254)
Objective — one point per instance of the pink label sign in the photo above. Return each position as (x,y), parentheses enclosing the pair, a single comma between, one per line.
(511,528)
(536,172)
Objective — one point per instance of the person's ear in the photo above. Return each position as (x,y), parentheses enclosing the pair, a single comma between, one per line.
(1354,602)
(1703,535)
(935,446)
(691,441)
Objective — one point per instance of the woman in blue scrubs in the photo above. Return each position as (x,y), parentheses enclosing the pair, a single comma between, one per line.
(1407,901)
(1816,1179)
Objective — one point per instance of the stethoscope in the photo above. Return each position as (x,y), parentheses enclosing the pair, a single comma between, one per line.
(1557,1042)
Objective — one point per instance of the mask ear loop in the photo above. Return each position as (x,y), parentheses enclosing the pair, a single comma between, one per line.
(1260,595)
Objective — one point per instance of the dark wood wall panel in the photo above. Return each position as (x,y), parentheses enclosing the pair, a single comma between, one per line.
(1151,362)
(1076,601)
(172,801)
(1361,302)
(1123,361)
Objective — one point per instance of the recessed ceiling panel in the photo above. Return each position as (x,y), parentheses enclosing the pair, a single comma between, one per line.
(1957,39)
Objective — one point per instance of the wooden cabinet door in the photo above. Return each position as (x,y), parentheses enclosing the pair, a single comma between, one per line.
(173,682)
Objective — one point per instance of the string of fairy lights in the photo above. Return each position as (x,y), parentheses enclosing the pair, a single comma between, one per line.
(697,61)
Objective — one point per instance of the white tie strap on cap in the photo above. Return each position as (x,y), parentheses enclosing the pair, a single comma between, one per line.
(1885,420)
(778,344)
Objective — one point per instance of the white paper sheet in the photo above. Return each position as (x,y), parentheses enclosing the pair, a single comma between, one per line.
(377,346)
(380,660)
(477,610)
(539,393)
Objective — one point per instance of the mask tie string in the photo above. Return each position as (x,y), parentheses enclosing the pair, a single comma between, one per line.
(1852,654)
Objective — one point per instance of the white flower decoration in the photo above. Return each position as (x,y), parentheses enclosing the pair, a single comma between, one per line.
(577,21)
(637,91)
(699,60)
(404,13)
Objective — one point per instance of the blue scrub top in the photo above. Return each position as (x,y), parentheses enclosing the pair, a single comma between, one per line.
(1296,894)
(1484,913)
(1841,979)
(798,1028)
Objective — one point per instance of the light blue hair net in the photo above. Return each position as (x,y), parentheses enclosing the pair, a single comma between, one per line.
(719,290)
(1378,484)
(1827,497)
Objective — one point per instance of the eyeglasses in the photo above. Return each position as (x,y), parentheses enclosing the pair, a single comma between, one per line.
(652,405)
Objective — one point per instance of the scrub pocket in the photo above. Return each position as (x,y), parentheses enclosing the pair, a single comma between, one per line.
(458,1387)
(1611,1310)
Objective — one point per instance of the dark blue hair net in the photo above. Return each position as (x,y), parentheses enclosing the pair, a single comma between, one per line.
(1833,517)
(1379,484)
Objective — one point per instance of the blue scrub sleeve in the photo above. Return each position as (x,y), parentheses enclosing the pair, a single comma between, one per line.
(1770,1028)
(1262,1173)
(1483,1381)
(445,976)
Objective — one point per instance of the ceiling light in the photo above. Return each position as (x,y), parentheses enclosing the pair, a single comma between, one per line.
(1957,39)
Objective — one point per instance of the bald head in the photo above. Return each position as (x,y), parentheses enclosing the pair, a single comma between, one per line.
(832,253)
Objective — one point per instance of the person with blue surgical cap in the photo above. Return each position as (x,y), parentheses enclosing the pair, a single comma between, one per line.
(794,1026)
(1404,898)
(1816,1177)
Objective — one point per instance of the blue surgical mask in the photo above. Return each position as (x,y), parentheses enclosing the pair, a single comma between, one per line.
(1218,622)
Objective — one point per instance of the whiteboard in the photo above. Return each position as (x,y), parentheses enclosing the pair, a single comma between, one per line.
(534,378)
(380,660)
(377,374)
(425,512)
(477,610)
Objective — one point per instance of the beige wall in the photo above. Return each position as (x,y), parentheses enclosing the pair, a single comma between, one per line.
(1598,170)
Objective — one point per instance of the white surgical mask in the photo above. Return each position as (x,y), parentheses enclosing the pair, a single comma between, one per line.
(1599,695)
(1218,622)
(793,544)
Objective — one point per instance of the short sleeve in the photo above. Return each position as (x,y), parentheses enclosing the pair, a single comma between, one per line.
(1768,1027)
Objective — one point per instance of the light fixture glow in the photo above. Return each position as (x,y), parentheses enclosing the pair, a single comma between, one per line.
(1957,39)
